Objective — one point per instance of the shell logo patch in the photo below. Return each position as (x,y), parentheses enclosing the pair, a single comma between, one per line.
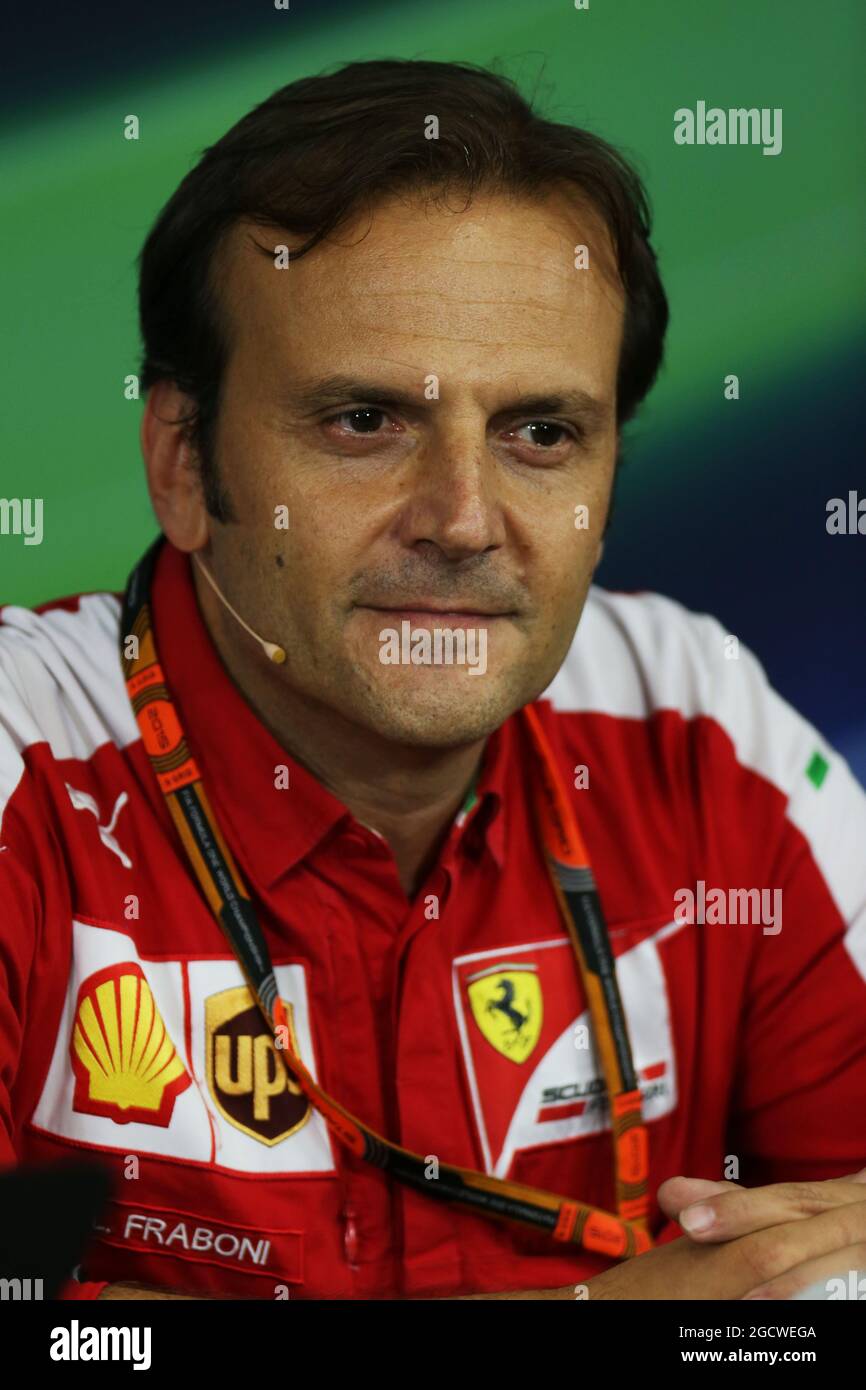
(507,1005)
(247,1079)
(126,1066)
(129,1067)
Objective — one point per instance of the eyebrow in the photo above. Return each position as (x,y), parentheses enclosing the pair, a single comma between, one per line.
(337,390)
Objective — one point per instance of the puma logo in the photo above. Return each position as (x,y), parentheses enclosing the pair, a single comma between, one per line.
(83,801)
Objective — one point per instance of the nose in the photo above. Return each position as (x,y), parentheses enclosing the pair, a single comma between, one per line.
(455,502)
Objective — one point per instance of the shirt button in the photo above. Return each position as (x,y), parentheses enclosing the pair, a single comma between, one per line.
(350,1237)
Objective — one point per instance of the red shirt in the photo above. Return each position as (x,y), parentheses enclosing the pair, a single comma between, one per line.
(126,1029)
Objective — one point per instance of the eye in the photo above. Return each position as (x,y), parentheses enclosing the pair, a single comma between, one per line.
(365,419)
(544,434)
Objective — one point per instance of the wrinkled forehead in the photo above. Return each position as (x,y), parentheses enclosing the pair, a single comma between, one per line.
(419,276)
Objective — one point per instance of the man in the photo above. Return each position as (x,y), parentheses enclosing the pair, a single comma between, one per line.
(393,325)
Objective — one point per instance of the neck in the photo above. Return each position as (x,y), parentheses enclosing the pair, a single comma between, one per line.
(409,795)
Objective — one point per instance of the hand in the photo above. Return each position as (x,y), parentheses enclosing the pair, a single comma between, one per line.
(791,1234)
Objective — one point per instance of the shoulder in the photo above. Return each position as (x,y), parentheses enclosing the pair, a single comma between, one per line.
(708,714)
(60,682)
(636,653)
(636,656)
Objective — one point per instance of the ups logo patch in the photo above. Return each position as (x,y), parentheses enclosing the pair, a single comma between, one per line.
(248,1081)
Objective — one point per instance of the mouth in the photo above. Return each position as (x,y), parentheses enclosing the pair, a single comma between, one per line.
(424,615)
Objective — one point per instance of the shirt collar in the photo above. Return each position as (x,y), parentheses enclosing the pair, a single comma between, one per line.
(274,828)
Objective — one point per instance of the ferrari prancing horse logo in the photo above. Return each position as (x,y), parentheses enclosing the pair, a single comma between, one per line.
(507,1006)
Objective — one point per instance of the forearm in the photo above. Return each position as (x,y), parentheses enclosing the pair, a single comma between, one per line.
(135,1291)
(525,1295)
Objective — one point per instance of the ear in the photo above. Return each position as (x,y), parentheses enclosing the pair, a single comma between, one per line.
(173,479)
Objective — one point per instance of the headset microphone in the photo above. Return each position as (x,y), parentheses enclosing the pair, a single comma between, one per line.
(276,654)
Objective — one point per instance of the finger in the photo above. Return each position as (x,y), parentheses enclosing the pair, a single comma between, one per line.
(676,1193)
(765,1256)
(741,1210)
(846,1265)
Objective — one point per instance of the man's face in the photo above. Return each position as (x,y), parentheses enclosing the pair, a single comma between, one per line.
(379,389)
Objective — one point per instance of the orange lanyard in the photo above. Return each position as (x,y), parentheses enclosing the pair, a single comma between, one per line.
(564,1218)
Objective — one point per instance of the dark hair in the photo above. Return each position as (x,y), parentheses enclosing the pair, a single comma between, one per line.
(325,148)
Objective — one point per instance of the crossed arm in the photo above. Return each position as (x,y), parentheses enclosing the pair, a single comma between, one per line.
(762,1242)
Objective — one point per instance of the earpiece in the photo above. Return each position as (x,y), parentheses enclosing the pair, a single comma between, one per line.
(275,653)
